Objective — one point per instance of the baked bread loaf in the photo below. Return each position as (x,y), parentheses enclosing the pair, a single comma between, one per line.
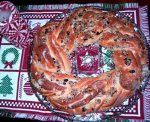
(51,67)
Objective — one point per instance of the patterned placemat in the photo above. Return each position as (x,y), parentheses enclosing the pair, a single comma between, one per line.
(16,94)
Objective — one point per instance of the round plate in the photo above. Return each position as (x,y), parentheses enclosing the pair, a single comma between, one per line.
(103,115)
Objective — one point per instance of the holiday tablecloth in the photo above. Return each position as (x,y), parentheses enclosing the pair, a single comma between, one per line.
(16,96)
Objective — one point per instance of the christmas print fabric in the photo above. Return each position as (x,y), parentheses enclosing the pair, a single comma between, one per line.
(13,27)
(16,93)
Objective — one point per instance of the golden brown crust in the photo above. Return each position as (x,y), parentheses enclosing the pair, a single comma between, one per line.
(51,66)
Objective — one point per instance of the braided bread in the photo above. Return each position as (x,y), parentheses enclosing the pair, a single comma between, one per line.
(51,66)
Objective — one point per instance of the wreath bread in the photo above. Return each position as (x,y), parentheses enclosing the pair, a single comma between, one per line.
(51,67)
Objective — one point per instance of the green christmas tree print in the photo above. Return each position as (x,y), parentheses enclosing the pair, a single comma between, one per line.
(5,86)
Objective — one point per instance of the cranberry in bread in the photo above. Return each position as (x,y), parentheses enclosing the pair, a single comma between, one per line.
(51,65)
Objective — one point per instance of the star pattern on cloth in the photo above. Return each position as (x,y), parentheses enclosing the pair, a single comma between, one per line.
(87,59)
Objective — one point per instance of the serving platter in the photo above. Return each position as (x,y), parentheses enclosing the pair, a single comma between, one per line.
(107,64)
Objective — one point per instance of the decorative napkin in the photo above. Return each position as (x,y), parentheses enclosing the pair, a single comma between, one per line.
(16,96)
